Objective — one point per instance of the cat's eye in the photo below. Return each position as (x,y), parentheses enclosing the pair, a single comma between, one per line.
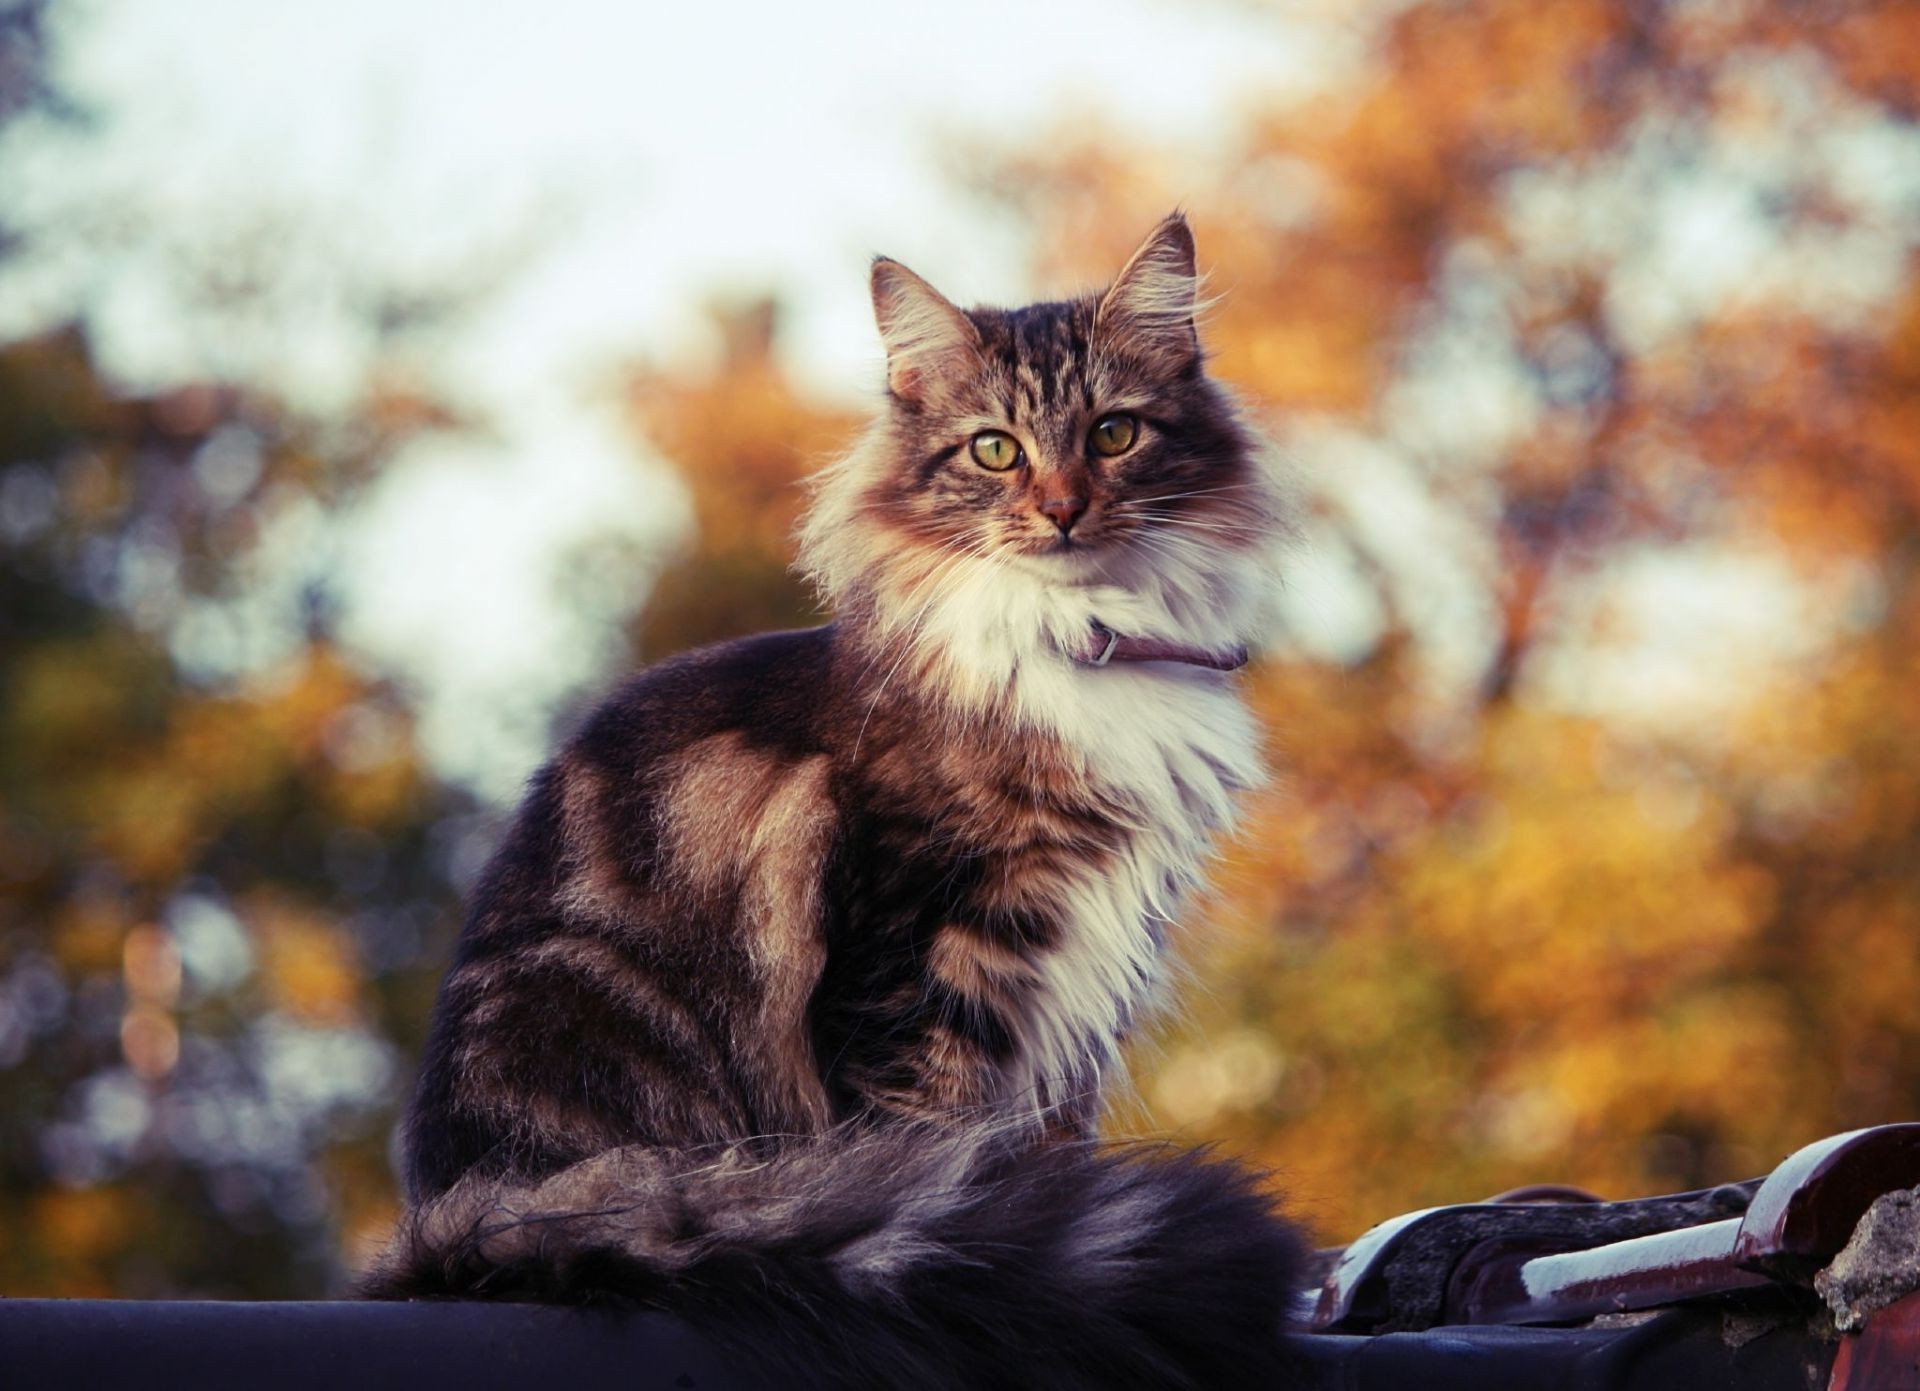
(996,449)
(1113,434)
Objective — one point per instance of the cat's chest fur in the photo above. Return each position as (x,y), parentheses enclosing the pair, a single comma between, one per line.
(1155,757)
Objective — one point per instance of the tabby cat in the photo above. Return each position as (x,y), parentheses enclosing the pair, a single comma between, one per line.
(788,1002)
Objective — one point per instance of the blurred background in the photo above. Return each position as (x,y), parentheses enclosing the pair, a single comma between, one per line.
(377,380)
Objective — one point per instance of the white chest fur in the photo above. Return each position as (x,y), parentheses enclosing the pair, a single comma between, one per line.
(1174,746)
(1170,746)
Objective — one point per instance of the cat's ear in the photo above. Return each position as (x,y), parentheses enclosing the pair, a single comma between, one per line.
(1151,305)
(926,336)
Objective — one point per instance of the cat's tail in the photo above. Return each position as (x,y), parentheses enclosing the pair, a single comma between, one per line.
(901,1256)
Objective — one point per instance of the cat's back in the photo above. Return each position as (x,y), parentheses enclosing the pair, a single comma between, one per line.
(653,771)
(771,689)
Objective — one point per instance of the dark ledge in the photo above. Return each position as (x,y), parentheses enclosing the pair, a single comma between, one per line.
(103,1345)
(106,1345)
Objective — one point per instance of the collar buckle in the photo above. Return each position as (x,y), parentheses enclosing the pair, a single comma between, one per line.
(1106,653)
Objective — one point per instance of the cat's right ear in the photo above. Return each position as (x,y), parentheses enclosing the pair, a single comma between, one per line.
(926,336)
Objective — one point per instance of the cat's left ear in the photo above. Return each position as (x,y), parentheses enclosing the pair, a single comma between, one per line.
(1150,307)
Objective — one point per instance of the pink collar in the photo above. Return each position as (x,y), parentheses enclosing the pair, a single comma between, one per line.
(1104,645)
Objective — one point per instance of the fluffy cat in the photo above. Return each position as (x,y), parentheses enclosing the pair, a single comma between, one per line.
(788,1001)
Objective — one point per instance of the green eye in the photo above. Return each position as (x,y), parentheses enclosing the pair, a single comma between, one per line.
(1113,434)
(995,449)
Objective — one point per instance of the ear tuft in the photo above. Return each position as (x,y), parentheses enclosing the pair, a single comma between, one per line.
(1151,305)
(923,331)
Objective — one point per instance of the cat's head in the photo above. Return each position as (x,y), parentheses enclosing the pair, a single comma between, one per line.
(1066,445)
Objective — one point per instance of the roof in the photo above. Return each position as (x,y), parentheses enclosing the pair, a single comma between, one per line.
(1826,1245)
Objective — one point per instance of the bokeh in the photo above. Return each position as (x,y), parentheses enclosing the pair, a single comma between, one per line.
(1592,333)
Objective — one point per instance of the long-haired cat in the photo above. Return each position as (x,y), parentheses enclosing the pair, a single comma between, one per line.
(788,1001)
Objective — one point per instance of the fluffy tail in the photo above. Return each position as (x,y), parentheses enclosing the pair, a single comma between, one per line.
(904,1257)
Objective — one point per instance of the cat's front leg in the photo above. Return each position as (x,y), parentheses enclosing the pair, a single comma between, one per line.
(952,1049)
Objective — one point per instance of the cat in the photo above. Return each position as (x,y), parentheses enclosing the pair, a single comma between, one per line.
(789,1001)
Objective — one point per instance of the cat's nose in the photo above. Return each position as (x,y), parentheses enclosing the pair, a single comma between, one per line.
(1063,512)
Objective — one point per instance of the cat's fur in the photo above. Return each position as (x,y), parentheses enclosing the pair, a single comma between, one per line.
(788,1001)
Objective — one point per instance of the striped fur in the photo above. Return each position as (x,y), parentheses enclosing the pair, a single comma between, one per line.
(948,1260)
(896,887)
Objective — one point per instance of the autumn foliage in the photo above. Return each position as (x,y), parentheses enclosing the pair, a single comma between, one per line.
(218,878)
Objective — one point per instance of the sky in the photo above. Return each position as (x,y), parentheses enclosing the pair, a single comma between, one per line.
(626,164)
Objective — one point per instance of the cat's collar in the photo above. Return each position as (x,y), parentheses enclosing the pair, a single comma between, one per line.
(1104,646)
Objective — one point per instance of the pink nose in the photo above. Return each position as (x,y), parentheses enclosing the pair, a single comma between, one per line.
(1063,512)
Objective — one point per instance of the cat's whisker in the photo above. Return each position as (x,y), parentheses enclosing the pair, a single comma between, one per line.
(1197,492)
(1152,521)
(1164,527)
(1142,507)
(1177,518)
